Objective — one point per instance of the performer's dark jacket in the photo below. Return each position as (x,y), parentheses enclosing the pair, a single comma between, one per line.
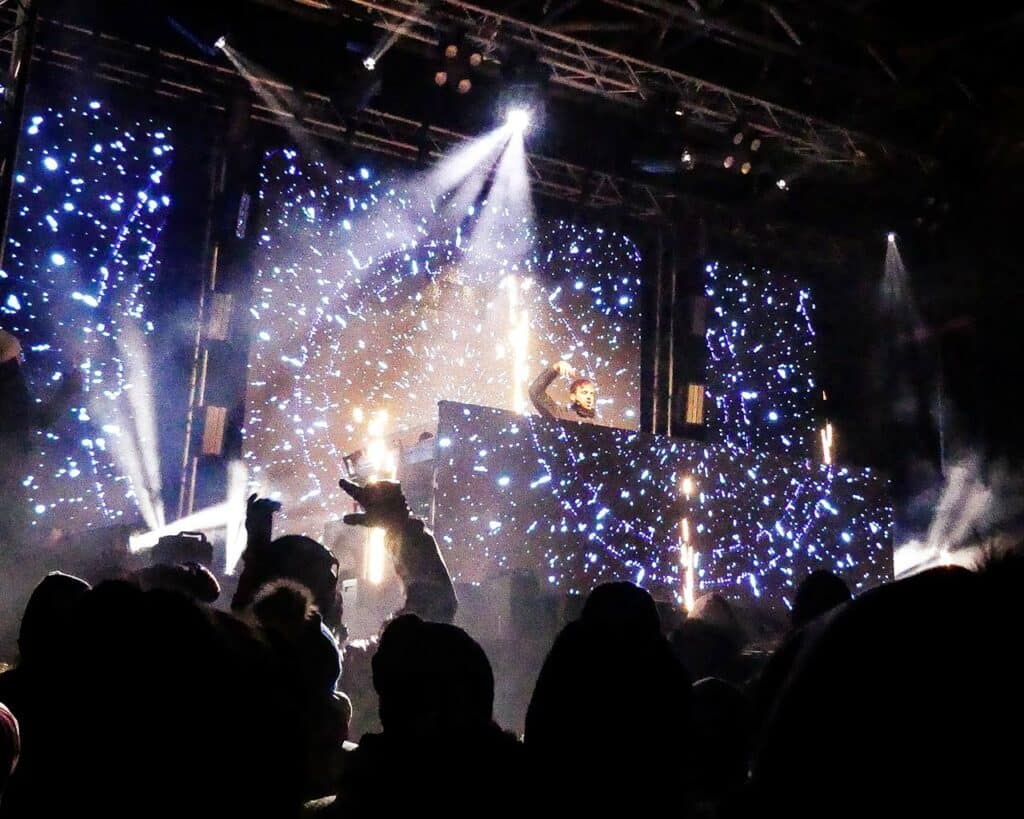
(550,408)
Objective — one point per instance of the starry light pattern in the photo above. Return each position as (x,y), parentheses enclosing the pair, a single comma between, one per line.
(761,356)
(89,203)
(580,504)
(369,297)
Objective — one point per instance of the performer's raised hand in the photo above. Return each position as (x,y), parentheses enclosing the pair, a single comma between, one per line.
(564,368)
(382,501)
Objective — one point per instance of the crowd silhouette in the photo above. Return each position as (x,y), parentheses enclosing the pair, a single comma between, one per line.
(150,694)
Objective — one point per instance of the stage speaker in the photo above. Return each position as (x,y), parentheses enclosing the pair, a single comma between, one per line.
(214,424)
(695,404)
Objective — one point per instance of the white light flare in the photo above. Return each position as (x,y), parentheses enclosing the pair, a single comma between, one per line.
(205,520)
(235,537)
(133,348)
(384,465)
(827,444)
(455,168)
(509,204)
(688,562)
(518,119)
(518,342)
(687,486)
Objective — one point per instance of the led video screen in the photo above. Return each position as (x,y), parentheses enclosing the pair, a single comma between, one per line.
(371,297)
(762,386)
(579,504)
(89,203)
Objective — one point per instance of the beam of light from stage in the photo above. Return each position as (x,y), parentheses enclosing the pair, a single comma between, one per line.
(394,31)
(228,516)
(897,299)
(205,520)
(967,498)
(442,197)
(505,232)
(518,119)
(978,510)
(138,444)
(455,182)
(914,358)
(454,167)
(235,536)
(125,414)
(275,95)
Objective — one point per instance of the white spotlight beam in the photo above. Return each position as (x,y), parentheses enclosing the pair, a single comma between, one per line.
(205,520)
(456,166)
(518,119)
(133,349)
(508,203)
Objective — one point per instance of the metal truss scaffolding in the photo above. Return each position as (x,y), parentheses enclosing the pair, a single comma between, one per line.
(623,78)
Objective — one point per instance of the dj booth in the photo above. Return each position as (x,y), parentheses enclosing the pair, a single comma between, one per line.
(577,505)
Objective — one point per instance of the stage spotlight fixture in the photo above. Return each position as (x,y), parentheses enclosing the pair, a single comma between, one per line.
(781,184)
(755,144)
(464,86)
(369,63)
(687,160)
(680,112)
(441,77)
(892,238)
(352,88)
(451,51)
(200,29)
(518,119)
(745,168)
(737,138)
(728,162)
(475,59)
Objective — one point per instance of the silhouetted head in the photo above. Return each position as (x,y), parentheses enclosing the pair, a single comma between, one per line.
(904,690)
(432,680)
(623,608)
(284,606)
(722,727)
(43,625)
(292,557)
(190,579)
(715,610)
(820,592)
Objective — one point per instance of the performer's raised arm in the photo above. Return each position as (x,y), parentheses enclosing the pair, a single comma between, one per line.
(582,392)
(545,404)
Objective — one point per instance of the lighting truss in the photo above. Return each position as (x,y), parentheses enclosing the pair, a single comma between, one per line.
(624,78)
(176,78)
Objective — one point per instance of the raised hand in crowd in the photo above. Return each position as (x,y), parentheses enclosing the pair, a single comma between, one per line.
(418,562)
